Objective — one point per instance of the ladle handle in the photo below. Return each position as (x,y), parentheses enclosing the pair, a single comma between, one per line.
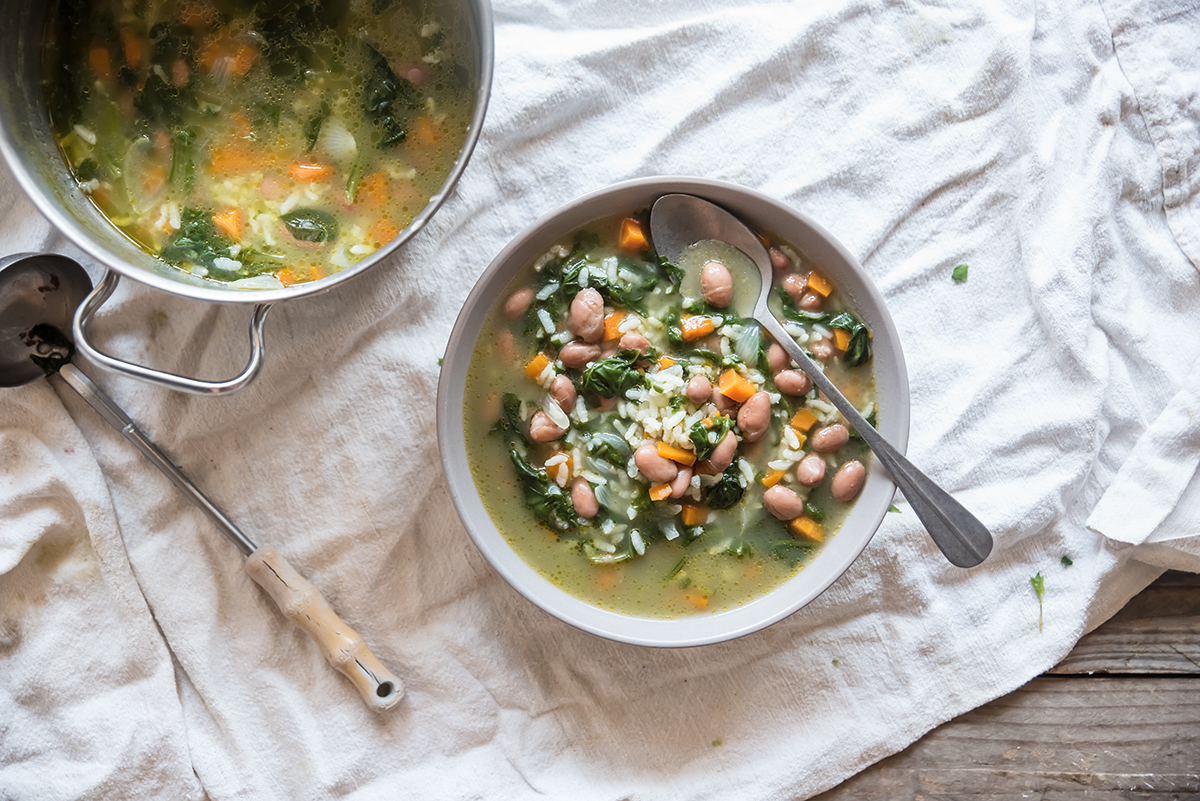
(298,600)
(344,648)
(960,535)
(195,386)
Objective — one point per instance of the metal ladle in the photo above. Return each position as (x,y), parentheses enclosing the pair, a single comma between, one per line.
(39,294)
(679,221)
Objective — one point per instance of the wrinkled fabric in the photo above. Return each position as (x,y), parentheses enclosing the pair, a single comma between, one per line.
(1051,148)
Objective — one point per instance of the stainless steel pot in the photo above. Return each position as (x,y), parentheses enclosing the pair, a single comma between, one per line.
(29,148)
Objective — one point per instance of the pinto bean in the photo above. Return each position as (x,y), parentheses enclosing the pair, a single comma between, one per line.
(506,346)
(577,354)
(822,349)
(563,392)
(725,405)
(634,341)
(754,418)
(654,467)
(518,303)
(717,284)
(722,455)
(682,481)
(848,480)
(830,438)
(793,382)
(811,470)
(811,301)
(795,286)
(699,389)
(543,429)
(783,503)
(584,499)
(587,315)
(779,260)
(778,358)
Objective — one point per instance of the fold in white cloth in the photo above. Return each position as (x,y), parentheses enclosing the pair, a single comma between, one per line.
(1052,149)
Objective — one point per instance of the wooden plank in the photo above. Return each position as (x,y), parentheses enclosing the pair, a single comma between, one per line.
(1057,739)
(1157,633)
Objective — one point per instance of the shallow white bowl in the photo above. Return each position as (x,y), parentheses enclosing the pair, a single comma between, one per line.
(761,213)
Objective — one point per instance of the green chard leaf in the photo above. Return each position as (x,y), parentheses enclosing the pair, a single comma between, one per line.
(728,491)
(542,496)
(1039,589)
(613,376)
(700,435)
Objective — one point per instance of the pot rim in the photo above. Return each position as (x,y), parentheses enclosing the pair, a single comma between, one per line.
(64,222)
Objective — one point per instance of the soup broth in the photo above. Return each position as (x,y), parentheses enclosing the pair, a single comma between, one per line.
(254,143)
(561,419)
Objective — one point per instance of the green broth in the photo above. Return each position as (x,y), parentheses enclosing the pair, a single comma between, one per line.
(261,143)
(737,554)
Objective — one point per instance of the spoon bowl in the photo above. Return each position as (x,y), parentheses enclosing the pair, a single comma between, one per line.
(679,222)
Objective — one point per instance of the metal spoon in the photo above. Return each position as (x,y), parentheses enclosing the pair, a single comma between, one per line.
(39,294)
(679,221)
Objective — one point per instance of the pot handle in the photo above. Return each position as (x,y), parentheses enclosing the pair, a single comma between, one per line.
(93,302)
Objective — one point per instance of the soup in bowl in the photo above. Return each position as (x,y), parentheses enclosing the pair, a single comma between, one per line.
(638,459)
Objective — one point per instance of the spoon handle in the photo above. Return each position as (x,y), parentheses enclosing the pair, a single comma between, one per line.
(960,535)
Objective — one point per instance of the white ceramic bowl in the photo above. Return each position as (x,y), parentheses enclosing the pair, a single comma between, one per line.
(840,550)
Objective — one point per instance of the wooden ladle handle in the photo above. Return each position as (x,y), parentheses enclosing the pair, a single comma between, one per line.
(345,648)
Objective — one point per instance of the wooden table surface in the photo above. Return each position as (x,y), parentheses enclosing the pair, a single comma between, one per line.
(1119,718)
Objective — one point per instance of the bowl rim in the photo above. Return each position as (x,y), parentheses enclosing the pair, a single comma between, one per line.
(57,213)
(716,626)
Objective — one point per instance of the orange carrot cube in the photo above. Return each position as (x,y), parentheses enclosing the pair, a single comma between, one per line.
(675,454)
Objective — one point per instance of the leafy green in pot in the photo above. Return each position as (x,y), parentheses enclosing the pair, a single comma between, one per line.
(542,496)
(311,225)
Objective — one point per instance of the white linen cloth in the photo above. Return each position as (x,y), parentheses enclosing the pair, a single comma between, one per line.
(1052,147)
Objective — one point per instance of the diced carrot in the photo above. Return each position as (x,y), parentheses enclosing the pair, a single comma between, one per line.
(233,158)
(310,171)
(287,276)
(607,578)
(424,132)
(773,478)
(244,59)
(383,232)
(675,454)
(708,422)
(153,179)
(841,338)
(695,326)
(803,438)
(696,599)
(612,325)
(241,124)
(132,45)
(660,491)
(372,191)
(803,420)
(229,222)
(536,365)
(101,62)
(693,515)
(632,238)
(735,387)
(805,528)
(315,273)
(818,284)
(664,362)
